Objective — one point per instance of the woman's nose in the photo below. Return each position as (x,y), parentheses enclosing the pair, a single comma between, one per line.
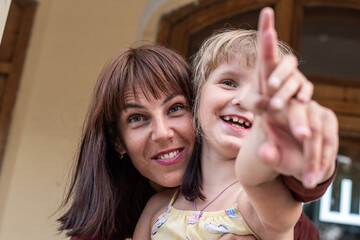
(161,130)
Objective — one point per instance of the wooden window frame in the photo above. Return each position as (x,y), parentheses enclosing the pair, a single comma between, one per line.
(12,54)
(192,18)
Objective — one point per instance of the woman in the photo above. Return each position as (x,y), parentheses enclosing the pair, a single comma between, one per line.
(107,192)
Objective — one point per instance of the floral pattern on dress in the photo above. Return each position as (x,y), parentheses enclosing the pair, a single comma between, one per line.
(160,221)
(214,228)
(231,212)
(194,218)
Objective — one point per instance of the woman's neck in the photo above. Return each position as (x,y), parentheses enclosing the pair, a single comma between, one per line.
(156,186)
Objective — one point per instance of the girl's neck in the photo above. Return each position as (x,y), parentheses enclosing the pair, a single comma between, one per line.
(216,171)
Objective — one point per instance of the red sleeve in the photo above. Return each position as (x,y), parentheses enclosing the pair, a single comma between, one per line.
(303,194)
(305,229)
(83,238)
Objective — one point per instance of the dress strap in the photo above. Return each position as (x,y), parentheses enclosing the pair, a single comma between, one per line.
(174,197)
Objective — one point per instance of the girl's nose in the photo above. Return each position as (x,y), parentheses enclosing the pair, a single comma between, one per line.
(239,96)
(238,99)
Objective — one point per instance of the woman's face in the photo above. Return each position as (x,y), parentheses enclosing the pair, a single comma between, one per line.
(158,135)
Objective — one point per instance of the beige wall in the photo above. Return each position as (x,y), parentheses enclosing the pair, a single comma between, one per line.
(70,42)
(4,10)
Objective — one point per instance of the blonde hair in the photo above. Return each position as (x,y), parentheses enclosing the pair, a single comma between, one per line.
(222,47)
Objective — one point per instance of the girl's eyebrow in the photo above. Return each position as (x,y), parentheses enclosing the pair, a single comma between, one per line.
(135,105)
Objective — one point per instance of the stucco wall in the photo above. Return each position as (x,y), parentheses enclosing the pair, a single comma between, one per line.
(70,43)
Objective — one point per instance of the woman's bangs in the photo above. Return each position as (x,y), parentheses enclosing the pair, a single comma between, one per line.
(151,80)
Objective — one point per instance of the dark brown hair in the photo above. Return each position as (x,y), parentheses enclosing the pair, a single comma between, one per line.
(107,194)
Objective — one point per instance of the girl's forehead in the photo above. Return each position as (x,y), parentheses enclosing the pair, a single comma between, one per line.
(237,59)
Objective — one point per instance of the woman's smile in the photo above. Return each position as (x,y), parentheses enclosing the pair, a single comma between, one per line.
(168,157)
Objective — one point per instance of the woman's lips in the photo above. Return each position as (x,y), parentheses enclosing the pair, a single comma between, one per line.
(169,157)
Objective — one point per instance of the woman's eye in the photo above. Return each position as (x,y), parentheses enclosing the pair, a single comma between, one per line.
(175,108)
(135,119)
(229,83)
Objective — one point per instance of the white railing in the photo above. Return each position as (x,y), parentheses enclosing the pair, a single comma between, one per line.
(344,215)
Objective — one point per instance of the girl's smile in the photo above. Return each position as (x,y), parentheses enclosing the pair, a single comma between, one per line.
(237,122)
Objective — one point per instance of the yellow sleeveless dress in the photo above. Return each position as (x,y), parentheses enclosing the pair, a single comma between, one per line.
(178,224)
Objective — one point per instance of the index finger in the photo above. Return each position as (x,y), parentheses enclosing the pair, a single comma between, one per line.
(268,48)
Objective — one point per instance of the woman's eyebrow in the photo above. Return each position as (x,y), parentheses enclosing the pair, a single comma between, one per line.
(168,98)
(133,105)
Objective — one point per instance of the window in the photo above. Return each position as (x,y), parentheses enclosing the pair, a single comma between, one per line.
(325,34)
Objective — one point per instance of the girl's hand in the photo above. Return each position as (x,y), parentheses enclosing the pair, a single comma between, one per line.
(311,160)
(303,141)
(277,79)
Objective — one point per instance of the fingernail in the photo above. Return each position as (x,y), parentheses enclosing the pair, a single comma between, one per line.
(309,180)
(274,81)
(302,131)
(276,103)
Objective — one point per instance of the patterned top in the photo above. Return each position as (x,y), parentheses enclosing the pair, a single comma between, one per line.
(193,225)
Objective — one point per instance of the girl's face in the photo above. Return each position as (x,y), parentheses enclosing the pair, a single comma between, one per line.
(158,135)
(224,122)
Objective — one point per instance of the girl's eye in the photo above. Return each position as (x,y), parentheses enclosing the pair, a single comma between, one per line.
(176,107)
(229,83)
(135,118)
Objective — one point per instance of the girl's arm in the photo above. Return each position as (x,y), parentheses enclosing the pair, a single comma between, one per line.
(292,85)
(143,228)
(266,203)
(156,205)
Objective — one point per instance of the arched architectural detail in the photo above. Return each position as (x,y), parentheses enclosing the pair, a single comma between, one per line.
(177,27)
(185,28)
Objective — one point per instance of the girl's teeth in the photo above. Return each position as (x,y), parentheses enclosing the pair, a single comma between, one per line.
(237,120)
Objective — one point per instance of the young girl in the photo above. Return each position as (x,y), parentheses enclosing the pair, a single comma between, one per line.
(255,201)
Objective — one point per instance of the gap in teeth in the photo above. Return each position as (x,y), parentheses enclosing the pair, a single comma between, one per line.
(237,120)
(169,155)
